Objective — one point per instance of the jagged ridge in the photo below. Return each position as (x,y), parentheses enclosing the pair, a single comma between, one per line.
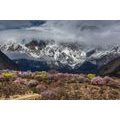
(68,57)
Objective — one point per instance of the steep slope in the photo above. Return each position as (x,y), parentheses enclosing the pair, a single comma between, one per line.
(6,63)
(113,67)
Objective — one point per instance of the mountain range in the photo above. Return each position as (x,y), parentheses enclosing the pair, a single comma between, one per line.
(65,46)
(70,57)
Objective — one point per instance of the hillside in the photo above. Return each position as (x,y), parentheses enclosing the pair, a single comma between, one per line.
(6,63)
(57,86)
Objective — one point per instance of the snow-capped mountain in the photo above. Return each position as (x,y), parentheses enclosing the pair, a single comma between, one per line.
(69,46)
(64,53)
(71,55)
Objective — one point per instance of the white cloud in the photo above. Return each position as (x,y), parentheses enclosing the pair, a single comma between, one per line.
(107,33)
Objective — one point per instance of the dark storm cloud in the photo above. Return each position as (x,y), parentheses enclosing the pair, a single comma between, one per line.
(16,24)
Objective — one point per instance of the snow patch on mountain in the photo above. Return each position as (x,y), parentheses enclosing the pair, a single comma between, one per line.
(57,52)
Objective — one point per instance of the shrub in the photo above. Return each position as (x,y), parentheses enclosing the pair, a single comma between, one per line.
(57,83)
(91,76)
(33,89)
(1,78)
(107,79)
(82,79)
(20,81)
(56,77)
(33,83)
(27,74)
(101,81)
(41,75)
(49,95)
(8,76)
(41,88)
(98,81)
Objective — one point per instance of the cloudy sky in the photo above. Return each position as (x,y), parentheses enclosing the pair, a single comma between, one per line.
(92,33)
